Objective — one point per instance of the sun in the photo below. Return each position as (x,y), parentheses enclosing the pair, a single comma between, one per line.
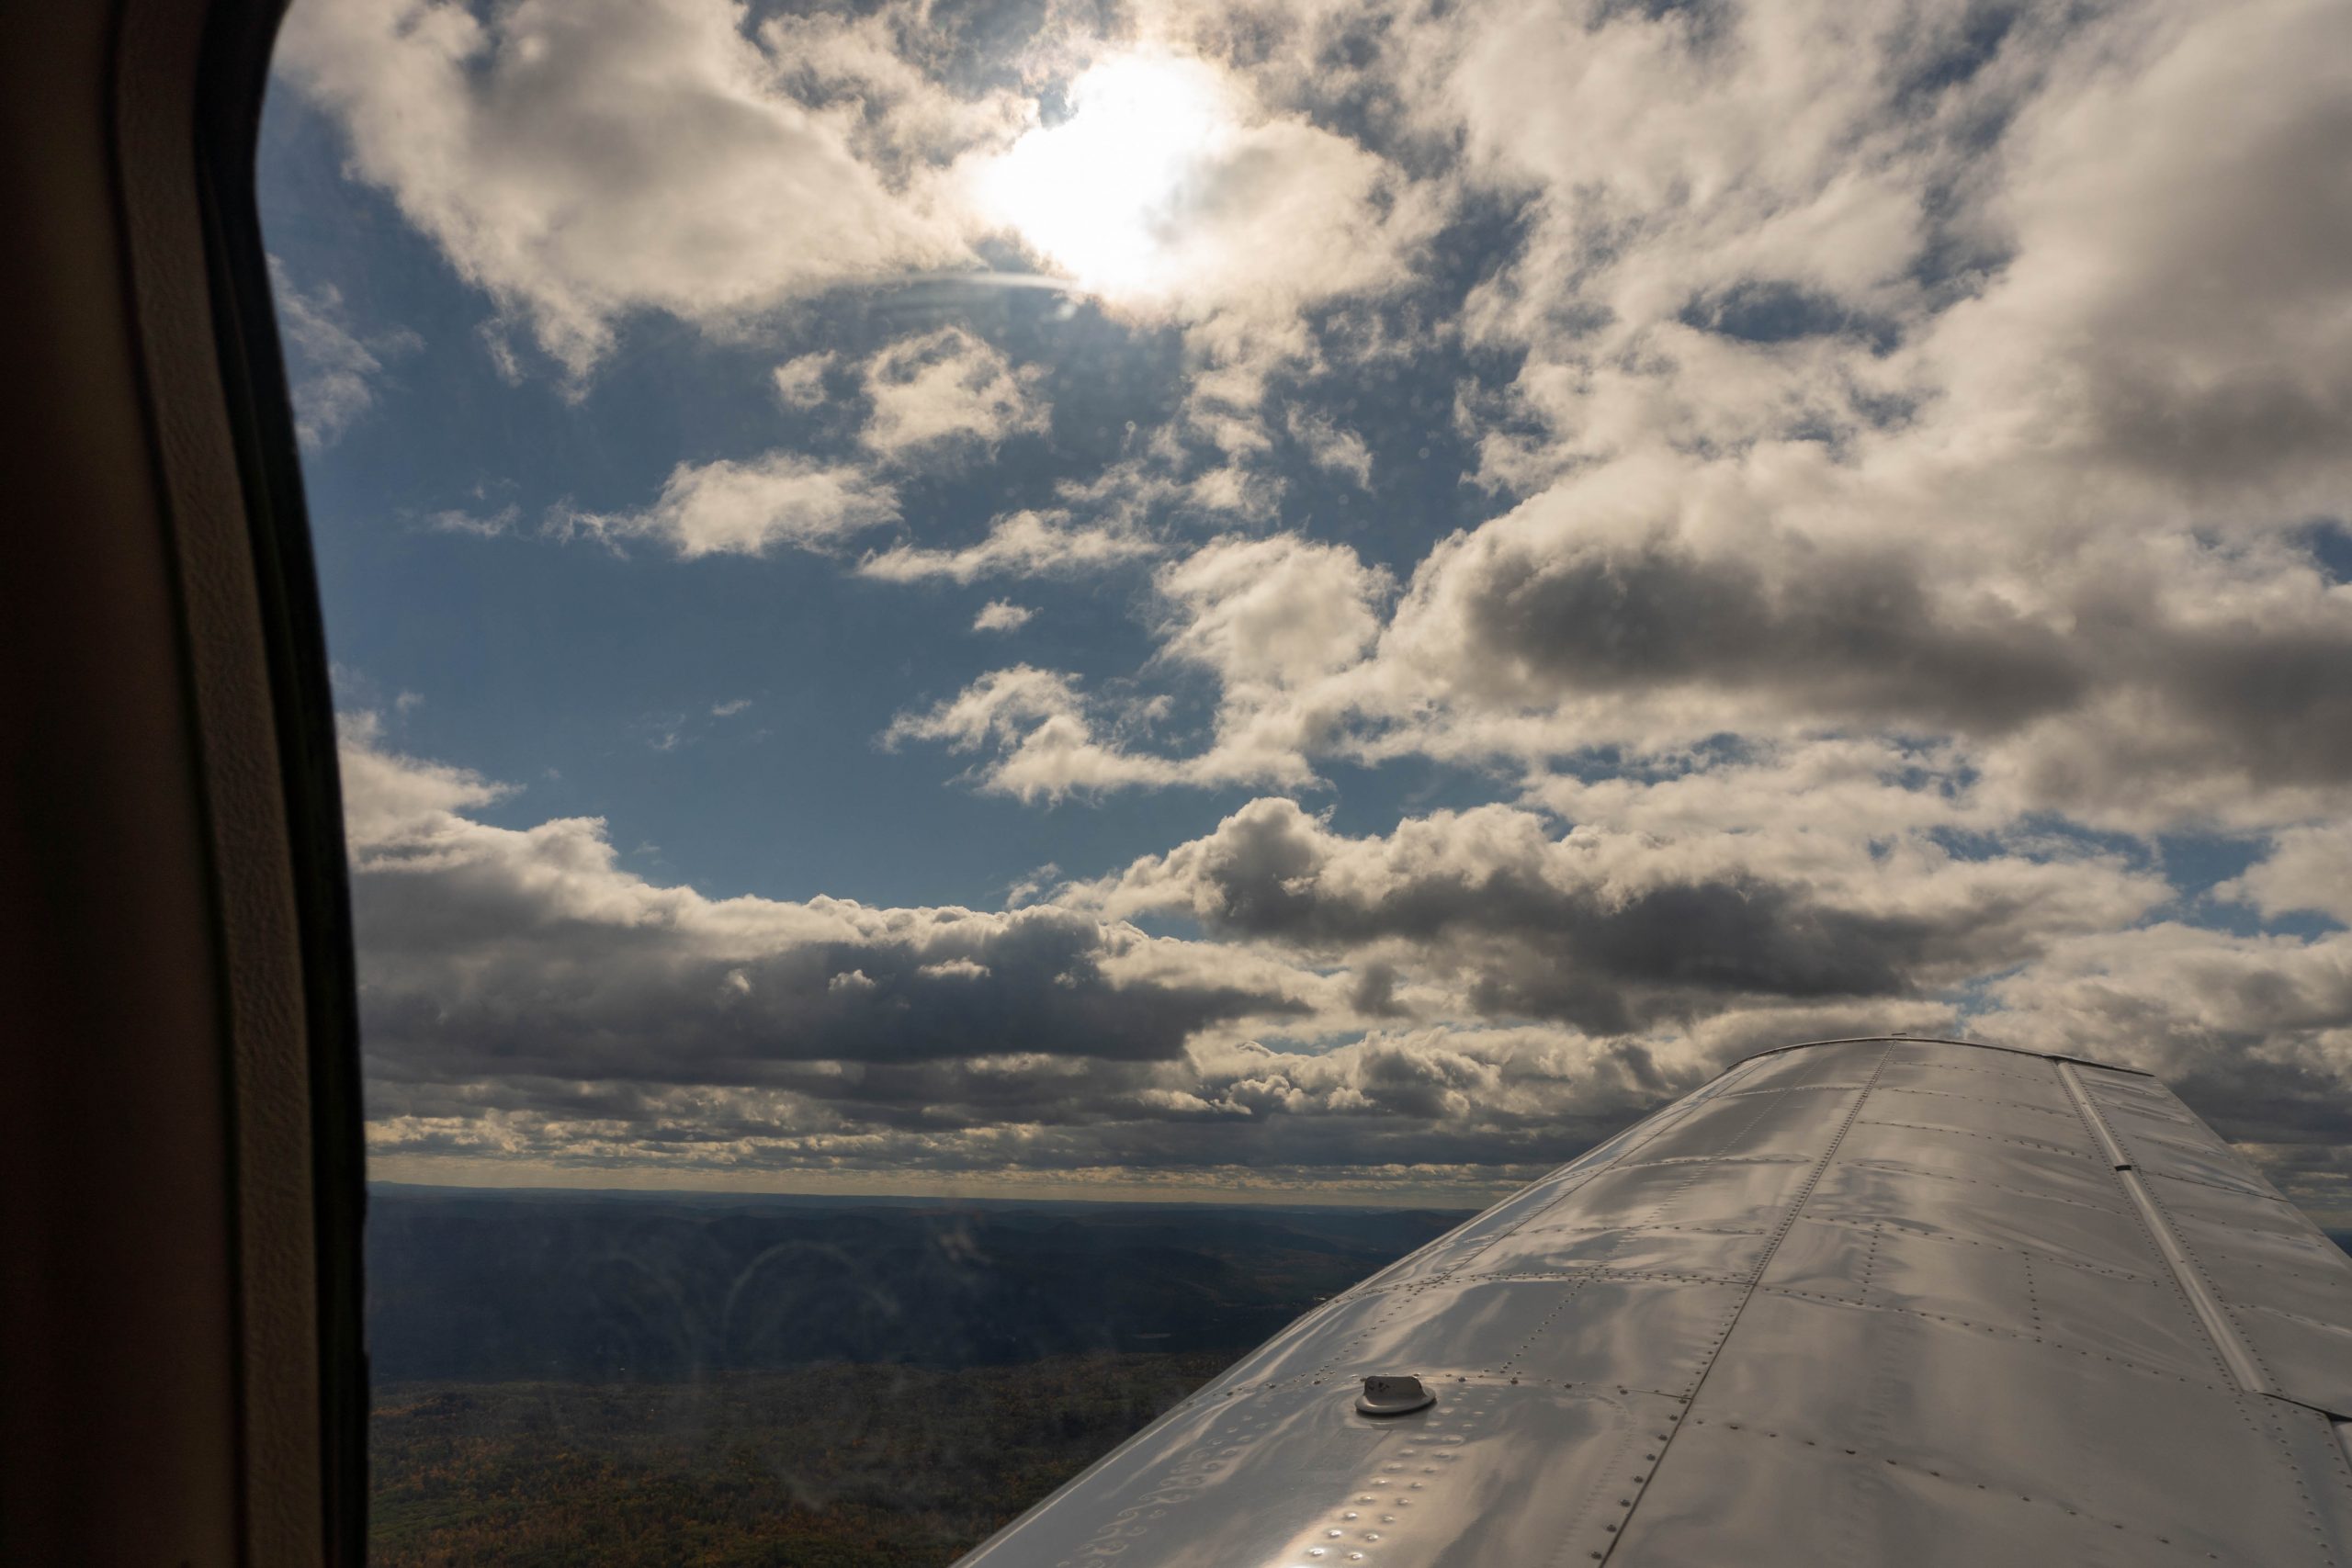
(1096,194)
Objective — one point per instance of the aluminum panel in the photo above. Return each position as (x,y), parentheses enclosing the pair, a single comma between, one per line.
(1771,1500)
(1653,1250)
(1965,1447)
(2177,1145)
(2043,1170)
(1858,1302)
(1795,1123)
(2027,1081)
(1984,1114)
(1841,1062)
(1709,1192)
(1653,1336)
(2093,1234)
(1296,1479)
(2261,1250)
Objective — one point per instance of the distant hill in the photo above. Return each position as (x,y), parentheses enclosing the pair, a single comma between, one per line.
(486,1286)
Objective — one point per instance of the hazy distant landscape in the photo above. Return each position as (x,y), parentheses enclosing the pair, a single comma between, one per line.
(607,1379)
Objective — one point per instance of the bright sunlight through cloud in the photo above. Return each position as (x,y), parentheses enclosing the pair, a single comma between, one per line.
(1096,193)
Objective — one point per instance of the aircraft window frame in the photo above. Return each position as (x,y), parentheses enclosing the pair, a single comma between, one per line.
(185,106)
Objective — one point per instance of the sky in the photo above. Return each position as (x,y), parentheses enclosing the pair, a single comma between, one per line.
(1315,601)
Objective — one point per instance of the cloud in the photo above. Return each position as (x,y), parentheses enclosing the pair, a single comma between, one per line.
(800,382)
(1175,195)
(1329,446)
(1003,615)
(1612,932)
(578,162)
(335,373)
(1046,739)
(1646,605)
(1473,993)
(1889,518)
(1020,544)
(495,951)
(946,389)
(476,525)
(1269,618)
(748,508)
(2309,868)
(2255,1032)
(2178,219)
(1276,611)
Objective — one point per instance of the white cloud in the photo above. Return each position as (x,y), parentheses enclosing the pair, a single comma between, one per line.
(477,524)
(949,388)
(1277,610)
(2309,868)
(1271,618)
(1021,544)
(1003,615)
(584,159)
(729,508)
(1342,451)
(800,382)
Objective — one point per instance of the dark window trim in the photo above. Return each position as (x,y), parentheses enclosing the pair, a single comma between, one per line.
(188,83)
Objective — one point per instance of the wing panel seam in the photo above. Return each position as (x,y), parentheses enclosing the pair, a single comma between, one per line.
(2229,1345)
(1753,1281)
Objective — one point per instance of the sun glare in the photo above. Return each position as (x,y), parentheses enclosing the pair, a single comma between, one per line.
(1095,194)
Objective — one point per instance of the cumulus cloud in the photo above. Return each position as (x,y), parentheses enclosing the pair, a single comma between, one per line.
(1473,994)
(948,389)
(1887,518)
(800,381)
(580,161)
(729,508)
(1647,606)
(531,951)
(1020,544)
(523,995)
(1612,932)
(1003,615)
(1270,619)
(2309,868)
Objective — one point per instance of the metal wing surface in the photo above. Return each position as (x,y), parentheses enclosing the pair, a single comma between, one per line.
(1863,1301)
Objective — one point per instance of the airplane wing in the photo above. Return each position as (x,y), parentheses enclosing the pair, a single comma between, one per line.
(1865,1302)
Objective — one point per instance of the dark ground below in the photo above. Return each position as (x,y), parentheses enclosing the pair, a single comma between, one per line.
(822,1467)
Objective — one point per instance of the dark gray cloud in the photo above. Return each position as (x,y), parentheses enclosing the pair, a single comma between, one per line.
(1591,931)
(454,990)
(530,953)
(1834,636)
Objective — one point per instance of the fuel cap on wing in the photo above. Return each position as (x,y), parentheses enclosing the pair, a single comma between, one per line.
(1394,1396)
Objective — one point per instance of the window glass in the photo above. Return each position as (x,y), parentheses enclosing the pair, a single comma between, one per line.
(1023,684)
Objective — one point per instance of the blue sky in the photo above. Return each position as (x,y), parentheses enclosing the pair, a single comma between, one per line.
(1326,601)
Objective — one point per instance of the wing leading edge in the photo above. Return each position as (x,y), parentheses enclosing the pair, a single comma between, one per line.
(1860,1302)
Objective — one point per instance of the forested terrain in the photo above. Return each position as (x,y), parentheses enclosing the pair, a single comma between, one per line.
(604,1380)
(830,1467)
